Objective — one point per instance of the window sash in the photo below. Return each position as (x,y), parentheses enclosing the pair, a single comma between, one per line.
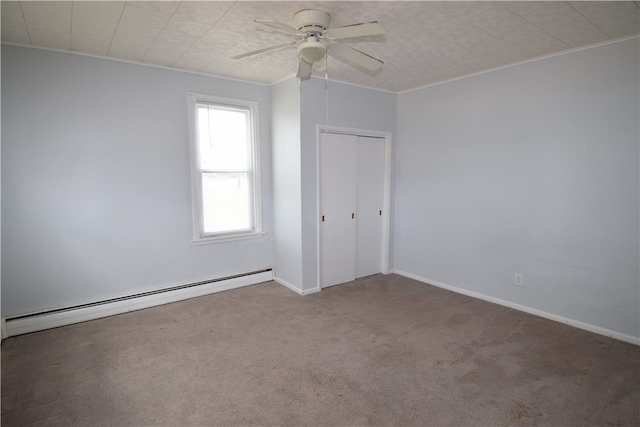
(227,189)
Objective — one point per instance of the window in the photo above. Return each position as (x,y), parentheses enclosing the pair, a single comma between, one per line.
(224,158)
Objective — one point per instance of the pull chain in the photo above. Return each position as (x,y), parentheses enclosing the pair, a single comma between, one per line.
(326,88)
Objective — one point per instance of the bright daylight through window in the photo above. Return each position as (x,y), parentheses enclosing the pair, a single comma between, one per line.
(224,157)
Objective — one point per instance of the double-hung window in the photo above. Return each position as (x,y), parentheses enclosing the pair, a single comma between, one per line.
(224,159)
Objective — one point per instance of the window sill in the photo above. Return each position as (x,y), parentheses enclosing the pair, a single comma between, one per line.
(227,238)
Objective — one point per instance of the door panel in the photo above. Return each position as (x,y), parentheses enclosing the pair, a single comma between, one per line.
(337,159)
(370,197)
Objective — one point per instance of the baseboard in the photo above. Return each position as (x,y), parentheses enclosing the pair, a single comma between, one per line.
(37,322)
(295,288)
(561,319)
(287,285)
(310,291)
(3,328)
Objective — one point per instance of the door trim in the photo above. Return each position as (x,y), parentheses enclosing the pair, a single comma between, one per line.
(386,203)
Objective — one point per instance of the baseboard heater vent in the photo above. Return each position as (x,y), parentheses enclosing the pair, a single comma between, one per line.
(23,324)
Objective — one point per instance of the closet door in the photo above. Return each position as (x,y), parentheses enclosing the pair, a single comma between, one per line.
(370,197)
(337,175)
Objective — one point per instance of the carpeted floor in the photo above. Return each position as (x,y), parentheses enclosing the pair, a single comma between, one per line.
(383,350)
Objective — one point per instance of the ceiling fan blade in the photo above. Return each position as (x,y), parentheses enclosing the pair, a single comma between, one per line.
(355,57)
(356,30)
(264,49)
(304,70)
(280,26)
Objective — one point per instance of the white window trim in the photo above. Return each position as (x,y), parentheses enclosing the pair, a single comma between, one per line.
(196,182)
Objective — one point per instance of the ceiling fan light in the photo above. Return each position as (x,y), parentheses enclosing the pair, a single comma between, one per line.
(312,50)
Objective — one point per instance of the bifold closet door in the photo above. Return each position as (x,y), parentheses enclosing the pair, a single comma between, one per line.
(337,161)
(370,197)
(351,185)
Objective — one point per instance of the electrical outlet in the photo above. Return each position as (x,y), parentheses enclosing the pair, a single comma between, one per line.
(517,279)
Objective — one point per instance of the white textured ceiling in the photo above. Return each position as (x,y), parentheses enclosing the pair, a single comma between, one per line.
(426,41)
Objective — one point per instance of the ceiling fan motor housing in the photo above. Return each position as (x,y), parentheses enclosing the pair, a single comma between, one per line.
(311,21)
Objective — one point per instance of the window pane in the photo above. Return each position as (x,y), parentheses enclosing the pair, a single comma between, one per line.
(223,138)
(226,202)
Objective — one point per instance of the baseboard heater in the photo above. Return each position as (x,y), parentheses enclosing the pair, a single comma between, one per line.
(33,322)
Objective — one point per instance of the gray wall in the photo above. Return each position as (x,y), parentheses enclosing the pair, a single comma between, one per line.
(347,106)
(531,169)
(287,196)
(95,181)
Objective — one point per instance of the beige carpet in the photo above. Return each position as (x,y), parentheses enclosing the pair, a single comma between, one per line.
(383,350)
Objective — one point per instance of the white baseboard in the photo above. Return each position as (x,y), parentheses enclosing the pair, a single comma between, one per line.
(571,322)
(295,288)
(39,322)
(287,285)
(3,328)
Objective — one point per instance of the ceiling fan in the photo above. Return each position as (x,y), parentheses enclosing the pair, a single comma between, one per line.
(316,39)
